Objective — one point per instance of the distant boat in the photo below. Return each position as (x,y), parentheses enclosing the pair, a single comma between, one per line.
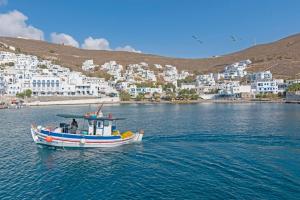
(100,132)
(3,105)
(208,96)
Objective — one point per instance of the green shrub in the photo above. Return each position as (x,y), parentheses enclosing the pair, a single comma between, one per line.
(124,96)
(294,87)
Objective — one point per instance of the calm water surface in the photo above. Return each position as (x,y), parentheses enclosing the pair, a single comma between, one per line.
(205,151)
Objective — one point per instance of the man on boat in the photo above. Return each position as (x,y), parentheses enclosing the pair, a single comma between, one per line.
(74,126)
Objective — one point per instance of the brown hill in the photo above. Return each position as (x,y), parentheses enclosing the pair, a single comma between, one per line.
(281,57)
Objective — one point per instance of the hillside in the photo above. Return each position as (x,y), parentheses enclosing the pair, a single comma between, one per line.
(282,57)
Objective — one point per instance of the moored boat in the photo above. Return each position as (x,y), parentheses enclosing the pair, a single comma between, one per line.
(100,131)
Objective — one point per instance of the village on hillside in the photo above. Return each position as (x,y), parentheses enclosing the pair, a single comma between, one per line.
(28,76)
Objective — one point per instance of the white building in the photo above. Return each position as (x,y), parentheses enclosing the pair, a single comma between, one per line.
(2,85)
(47,79)
(133,90)
(158,66)
(113,68)
(206,79)
(170,74)
(236,70)
(265,87)
(233,88)
(45,85)
(88,65)
(261,76)
(187,86)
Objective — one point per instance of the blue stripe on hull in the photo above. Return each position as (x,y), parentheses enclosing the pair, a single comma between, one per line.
(74,136)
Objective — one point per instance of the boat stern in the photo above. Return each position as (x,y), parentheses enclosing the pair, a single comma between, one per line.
(34,132)
(138,136)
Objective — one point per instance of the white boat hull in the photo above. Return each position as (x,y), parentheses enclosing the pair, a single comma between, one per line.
(44,137)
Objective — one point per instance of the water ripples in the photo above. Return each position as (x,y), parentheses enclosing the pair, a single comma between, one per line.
(212,159)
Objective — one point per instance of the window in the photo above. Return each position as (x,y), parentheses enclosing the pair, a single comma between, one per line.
(100,124)
(106,123)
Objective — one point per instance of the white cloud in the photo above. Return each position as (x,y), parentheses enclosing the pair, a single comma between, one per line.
(96,44)
(62,38)
(13,24)
(128,48)
(103,44)
(3,2)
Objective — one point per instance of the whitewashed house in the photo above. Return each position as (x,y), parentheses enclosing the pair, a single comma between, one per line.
(236,70)
(187,86)
(113,69)
(233,88)
(206,79)
(133,90)
(88,65)
(261,76)
(265,87)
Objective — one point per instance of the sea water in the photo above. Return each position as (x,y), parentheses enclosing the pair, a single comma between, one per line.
(199,151)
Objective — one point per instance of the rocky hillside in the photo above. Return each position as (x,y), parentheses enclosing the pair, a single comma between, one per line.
(282,57)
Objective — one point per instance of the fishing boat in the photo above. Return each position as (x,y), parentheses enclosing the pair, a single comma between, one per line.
(101,131)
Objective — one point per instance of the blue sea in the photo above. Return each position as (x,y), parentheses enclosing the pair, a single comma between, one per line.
(199,151)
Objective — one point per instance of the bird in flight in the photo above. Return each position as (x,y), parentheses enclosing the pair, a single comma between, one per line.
(197,39)
(235,38)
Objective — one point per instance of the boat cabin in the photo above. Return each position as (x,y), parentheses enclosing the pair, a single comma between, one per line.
(92,125)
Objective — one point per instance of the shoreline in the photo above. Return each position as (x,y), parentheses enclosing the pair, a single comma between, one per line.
(115,100)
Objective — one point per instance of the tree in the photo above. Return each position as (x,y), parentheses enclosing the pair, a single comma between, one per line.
(140,97)
(189,79)
(28,93)
(42,66)
(20,95)
(194,97)
(169,87)
(187,94)
(124,96)
(294,87)
(170,96)
(156,95)
(18,50)
(11,64)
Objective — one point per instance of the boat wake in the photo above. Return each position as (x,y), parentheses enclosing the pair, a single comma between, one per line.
(265,140)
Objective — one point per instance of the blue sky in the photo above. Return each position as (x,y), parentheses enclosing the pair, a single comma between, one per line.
(163,27)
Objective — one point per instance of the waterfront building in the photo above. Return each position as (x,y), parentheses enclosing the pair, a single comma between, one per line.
(269,86)
(293,81)
(133,90)
(2,84)
(233,88)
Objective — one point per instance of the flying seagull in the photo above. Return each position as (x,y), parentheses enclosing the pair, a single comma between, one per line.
(234,38)
(197,39)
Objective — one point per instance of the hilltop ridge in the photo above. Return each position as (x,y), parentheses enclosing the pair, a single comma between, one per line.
(282,57)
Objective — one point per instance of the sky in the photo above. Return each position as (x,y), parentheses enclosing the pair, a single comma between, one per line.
(175,28)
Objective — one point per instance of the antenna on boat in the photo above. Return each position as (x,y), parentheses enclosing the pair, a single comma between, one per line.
(99,109)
